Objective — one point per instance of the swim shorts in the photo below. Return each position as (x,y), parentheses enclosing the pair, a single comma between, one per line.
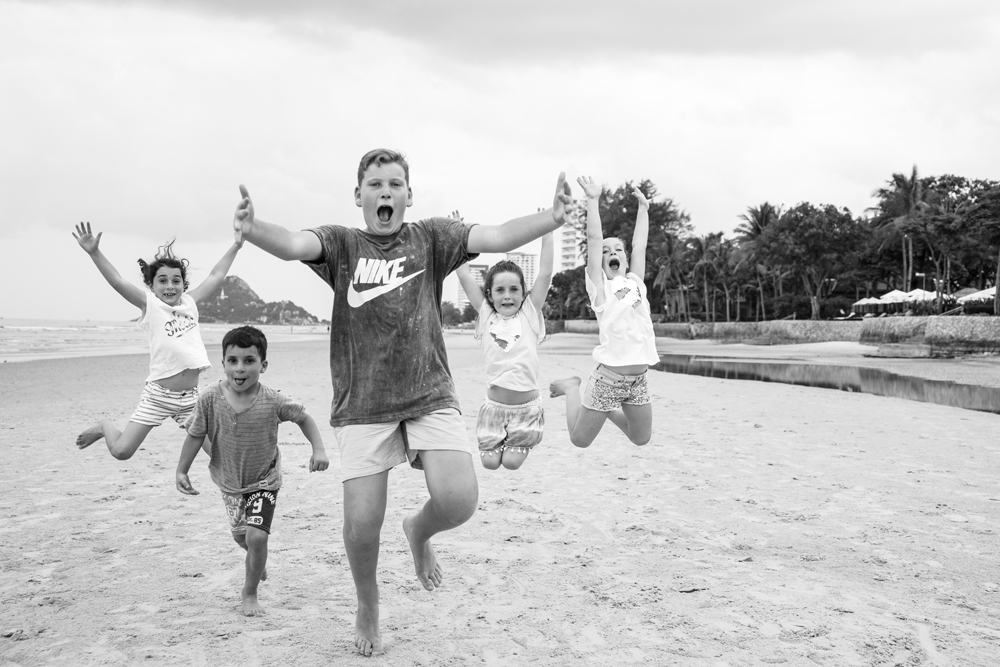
(607,390)
(501,426)
(368,449)
(250,509)
(158,403)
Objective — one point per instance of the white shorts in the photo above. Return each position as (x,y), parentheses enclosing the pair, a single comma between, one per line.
(157,404)
(368,449)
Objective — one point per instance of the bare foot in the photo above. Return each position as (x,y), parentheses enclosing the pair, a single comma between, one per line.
(560,387)
(424,559)
(366,636)
(251,607)
(90,436)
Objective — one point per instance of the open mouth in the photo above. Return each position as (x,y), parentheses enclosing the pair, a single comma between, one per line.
(239,382)
(614,263)
(384,213)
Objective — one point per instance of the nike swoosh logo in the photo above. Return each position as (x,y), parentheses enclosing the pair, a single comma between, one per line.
(356,299)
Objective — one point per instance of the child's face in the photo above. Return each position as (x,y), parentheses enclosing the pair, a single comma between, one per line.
(243,367)
(613,258)
(506,294)
(168,285)
(383,197)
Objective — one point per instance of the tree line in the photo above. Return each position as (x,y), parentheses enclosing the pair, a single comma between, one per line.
(806,261)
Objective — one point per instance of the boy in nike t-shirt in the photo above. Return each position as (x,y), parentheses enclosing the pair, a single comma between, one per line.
(393,396)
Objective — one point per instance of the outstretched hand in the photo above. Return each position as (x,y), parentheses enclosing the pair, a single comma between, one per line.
(562,199)
(591,189)
(86,238)
(184,485)
(643,202)
(243,218)
(455,215)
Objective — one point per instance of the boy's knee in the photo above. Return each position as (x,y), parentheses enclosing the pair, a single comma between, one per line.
(460,508)
(256,538)
(240,539)
(362,531)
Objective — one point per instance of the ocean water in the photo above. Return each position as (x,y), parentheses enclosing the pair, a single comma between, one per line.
(29,340)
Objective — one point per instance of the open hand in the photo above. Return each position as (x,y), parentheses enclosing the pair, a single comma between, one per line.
(591,189)
(455,215)
(184,485)
(318,461)
(562,199)
(86,238)
(243,218)
(643,202)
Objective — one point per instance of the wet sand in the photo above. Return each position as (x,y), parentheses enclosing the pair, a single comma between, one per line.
(764,524)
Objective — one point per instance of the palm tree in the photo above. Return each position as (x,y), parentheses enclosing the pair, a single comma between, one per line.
(755,222)
(671,259)
(901,203)
(704,250)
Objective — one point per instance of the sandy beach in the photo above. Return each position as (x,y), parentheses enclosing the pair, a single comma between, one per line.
(764,524)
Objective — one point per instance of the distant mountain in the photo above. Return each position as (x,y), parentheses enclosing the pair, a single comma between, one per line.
(235,303)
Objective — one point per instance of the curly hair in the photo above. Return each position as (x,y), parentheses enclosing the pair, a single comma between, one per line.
(381,156)
(164,257)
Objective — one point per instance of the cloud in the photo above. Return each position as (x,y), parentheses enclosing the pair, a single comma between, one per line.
(571,30)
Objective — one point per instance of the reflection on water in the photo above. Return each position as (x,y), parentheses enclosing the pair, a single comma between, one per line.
(845,378)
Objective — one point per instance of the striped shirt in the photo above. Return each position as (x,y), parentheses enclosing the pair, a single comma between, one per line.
(245,454)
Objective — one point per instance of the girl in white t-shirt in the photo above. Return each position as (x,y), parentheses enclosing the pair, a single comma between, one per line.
(177,354)
(617,388)
(509,327)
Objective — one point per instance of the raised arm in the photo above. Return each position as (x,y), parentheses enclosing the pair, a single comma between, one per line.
(471,287)
(515,233)
(595,233)
(640,236)
(92,245)
(318,460)
(274,239)
(218,273)
(543,280)
(188,453)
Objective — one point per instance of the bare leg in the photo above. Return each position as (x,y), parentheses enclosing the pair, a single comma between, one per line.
(491,459)
(364,512)
(454,490)
(122,445)
(582,423)
(256,546)
(241,540)
(639,422)
(514,457)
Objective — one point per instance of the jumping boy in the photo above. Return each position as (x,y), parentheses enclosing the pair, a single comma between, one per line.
(240,417)
(393,396)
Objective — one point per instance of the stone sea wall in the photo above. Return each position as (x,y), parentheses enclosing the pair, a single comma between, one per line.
(944,336)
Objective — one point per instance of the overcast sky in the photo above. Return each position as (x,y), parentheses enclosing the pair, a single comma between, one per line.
(144,117)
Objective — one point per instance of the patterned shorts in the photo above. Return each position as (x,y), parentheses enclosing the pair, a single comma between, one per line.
(158,403)
(607,390)
(501,426)
(250,509)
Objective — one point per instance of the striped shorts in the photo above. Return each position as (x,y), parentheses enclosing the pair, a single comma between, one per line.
(501,426)
(157,403)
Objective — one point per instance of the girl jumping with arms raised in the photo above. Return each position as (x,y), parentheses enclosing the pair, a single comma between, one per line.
(617,388)
(177,356)
(509,328)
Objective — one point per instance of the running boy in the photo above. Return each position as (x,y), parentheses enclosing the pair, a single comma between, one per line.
(617,388)
(394,399)
(241,416)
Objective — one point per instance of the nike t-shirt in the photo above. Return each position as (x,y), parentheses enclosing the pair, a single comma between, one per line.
(387,356)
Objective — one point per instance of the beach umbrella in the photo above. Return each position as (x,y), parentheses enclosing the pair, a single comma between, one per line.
(979,296)
(920,295)
(895,296)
